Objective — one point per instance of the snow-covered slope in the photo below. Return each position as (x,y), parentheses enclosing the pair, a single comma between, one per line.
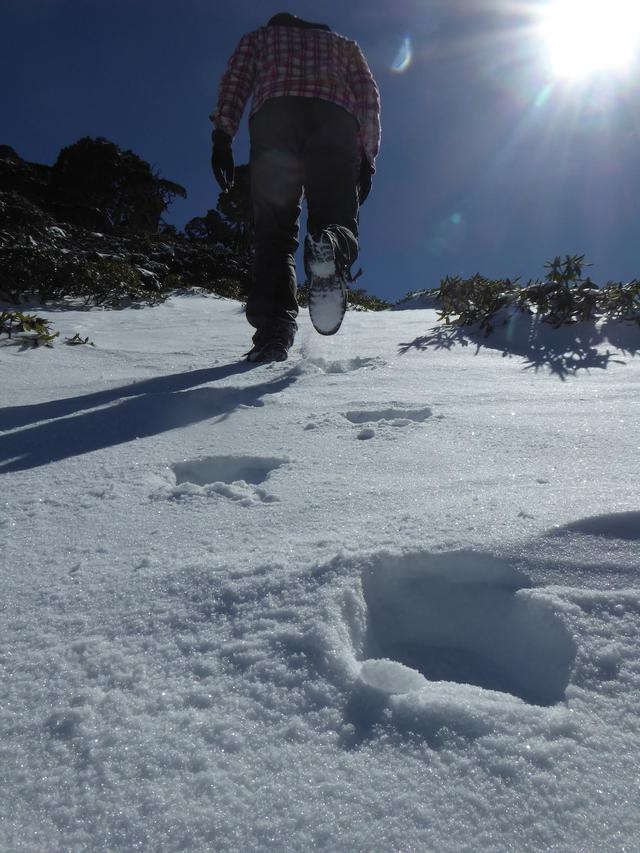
(383,596)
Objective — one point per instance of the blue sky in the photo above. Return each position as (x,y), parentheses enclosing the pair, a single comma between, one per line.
(490,162)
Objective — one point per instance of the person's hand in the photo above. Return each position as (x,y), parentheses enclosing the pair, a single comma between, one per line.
(364,179)
(222,159)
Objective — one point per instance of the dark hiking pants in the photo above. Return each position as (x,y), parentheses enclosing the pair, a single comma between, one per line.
(298,143)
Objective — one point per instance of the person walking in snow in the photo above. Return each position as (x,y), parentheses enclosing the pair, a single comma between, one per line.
(314,128)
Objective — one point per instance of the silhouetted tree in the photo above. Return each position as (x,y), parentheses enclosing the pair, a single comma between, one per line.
(30,180)
(97,173)
(211,228)
(168,230)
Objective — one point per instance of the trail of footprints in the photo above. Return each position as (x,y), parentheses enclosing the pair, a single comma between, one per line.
(458,617)
(241,478)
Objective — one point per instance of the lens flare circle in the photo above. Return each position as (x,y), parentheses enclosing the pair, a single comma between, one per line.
(588,36)
(403,56)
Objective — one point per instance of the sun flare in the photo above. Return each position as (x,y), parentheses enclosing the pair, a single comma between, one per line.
(587,36)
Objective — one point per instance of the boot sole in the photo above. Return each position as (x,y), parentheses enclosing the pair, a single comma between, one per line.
(327,290)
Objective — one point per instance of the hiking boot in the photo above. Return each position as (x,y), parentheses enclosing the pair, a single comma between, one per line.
(326,278)
(270,345)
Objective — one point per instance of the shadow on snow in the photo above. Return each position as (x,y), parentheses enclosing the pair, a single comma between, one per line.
(132,411)
(614,525)
(564,351)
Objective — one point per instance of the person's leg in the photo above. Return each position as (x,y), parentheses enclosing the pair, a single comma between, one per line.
(332,162)
(276,189)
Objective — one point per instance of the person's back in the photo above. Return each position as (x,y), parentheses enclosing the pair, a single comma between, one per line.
(314,123)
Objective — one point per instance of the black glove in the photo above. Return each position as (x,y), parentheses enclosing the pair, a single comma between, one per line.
(364,179)
(222,159)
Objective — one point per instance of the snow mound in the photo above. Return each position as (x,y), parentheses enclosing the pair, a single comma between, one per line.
(391,676)
(617,525)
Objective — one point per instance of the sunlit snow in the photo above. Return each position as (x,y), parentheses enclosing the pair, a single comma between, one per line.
(230,623)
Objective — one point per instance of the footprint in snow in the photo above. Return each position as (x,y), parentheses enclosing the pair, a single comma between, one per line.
(235,477)
(462,617)
(393,415)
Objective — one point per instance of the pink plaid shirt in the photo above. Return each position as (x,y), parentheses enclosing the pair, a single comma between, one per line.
(276,61)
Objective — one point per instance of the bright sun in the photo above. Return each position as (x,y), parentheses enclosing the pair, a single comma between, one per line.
(585,36)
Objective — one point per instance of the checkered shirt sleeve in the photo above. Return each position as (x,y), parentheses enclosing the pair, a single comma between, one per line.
(236,85)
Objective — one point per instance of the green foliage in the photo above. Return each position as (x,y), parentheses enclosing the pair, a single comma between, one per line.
(473,300)
(97,173)
(26,269)
(27,328)
(174,281)
(621,301)
(360,300)
(110,282)
(54,275)
(564,297)
(230,288)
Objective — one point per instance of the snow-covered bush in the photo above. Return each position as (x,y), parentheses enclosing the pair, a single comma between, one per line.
(564,297)
(53,274)
(19,215)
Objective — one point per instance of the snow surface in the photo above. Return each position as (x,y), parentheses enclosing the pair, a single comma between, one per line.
(230,623)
